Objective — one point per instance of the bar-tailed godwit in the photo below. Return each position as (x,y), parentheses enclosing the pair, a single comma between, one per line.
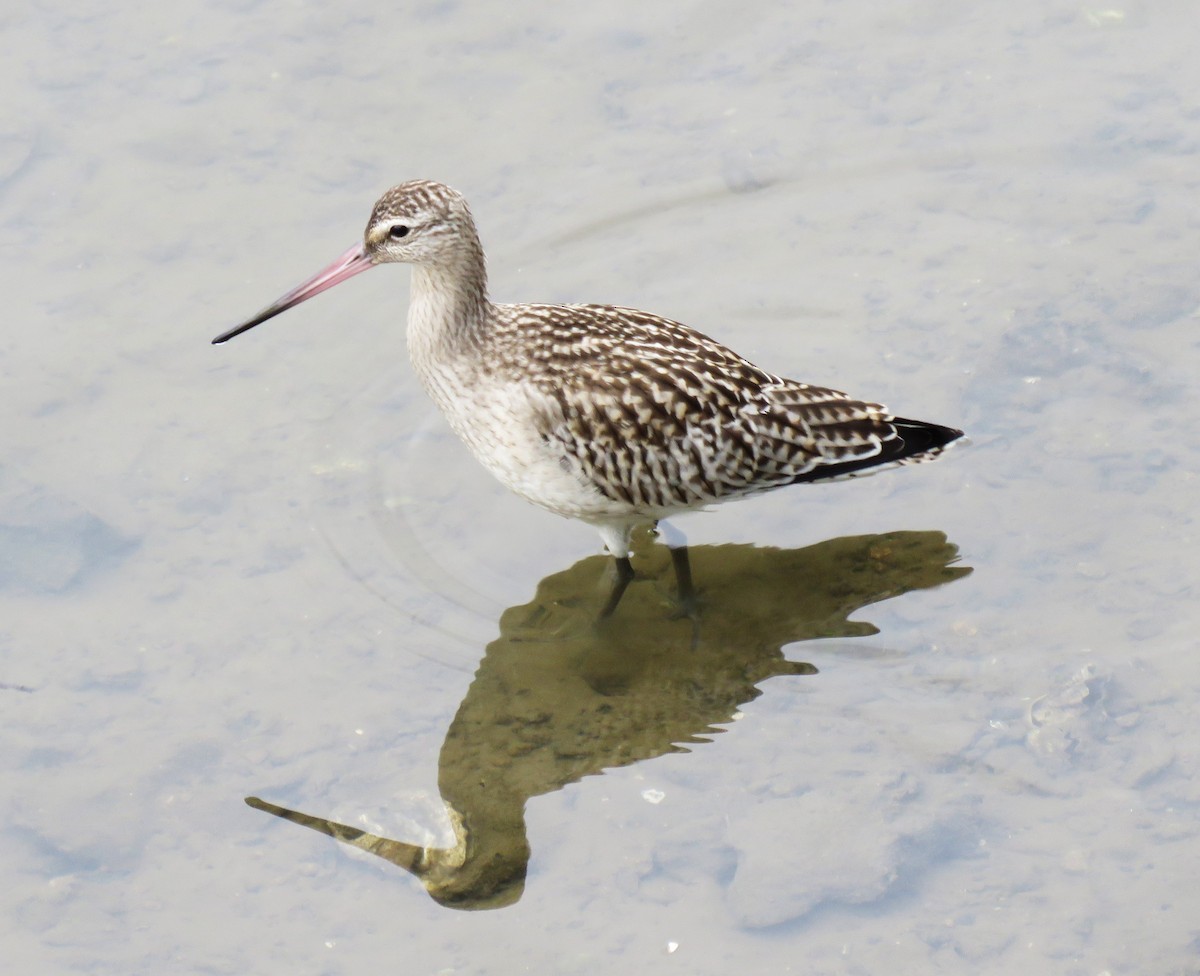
(606,414)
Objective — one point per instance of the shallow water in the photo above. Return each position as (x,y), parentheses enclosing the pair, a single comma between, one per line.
(267,569)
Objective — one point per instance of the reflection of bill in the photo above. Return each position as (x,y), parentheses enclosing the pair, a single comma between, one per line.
(558,697)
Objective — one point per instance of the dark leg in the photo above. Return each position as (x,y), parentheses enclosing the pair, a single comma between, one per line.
(683,577)
(689,606)
(677,542)
(620,582)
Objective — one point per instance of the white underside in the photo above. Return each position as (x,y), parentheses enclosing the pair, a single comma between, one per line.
(500,423)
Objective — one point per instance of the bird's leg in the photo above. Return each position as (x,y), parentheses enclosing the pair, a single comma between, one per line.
(683,577)
(620,582)
(677,542)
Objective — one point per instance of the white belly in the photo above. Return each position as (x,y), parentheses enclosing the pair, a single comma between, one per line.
(501,422)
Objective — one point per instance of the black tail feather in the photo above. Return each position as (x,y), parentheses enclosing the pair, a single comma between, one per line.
(914,441)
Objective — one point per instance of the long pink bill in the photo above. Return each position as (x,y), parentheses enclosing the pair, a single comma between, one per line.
(353,262)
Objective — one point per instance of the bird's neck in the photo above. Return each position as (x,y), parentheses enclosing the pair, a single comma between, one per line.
(448,312)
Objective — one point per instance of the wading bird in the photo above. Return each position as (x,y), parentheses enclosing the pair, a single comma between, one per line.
(606,414)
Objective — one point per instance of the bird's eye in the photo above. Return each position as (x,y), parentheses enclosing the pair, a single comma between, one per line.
(398,231)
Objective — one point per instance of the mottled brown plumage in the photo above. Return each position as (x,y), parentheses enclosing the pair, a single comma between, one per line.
(611,415)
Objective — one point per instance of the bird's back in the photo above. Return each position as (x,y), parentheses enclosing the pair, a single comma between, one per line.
(658,417)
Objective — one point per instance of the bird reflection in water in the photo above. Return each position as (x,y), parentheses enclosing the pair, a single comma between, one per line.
(558,696)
